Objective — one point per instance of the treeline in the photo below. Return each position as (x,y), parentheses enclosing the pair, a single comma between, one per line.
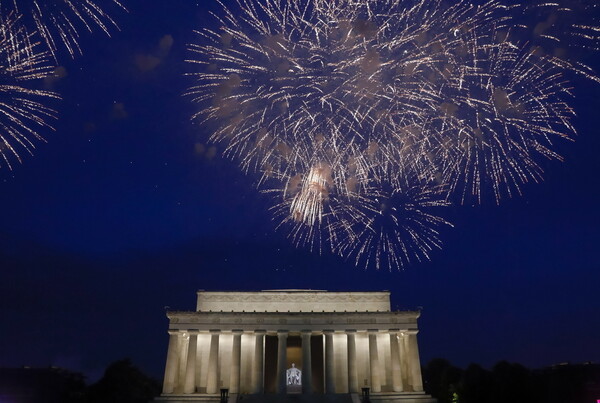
(511,382)
(122,382)
(505,382)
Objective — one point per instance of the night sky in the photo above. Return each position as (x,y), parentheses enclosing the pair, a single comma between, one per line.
(123,213)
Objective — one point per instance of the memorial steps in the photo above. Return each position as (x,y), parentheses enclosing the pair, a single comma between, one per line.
(296,398)
(299,398)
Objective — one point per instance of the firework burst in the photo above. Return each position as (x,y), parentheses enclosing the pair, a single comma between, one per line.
(59,22)
(565,31)
(380,225)
(347,107)
(394,226)
(505,112)
(23,111)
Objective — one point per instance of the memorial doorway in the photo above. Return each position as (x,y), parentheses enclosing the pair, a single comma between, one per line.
(294,365)
(294,360)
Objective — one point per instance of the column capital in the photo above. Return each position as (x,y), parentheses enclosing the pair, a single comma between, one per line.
(193,332)
(306,332)
(372,331)
(260,332)
(237,331)
(394,331)
(328,332)
(411,331)
(282,332)
(214,331)
(173,332)
(350,331)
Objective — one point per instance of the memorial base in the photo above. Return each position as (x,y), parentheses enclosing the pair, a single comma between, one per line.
(403,397)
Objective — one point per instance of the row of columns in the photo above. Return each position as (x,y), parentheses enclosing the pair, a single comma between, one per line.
(403,348)
(212,382)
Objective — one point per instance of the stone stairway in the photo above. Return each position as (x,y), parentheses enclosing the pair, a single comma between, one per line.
(406,397)
(189,398)
(295,398)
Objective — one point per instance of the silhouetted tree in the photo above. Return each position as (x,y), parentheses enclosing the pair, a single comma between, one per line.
(513,383)
(441,379)
(475,386)
(570,383)
(41,385)
(123,383)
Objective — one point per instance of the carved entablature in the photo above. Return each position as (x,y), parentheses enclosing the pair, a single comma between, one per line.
(294,322)
(293,301)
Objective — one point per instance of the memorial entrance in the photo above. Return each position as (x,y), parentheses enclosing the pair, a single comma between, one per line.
(293,342)
(293,360)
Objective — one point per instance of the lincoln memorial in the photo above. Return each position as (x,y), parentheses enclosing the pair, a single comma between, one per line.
(271,344)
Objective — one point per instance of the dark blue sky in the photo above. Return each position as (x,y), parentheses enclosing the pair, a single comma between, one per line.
(119,215)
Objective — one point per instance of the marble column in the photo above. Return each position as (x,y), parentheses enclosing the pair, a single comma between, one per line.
(352,373)
(395,361)
(414,362)
(282,361)
(172,366)
(329,363)
(404,362)
(190,368)
(258,362)
(236,351)
(374,362)
(183,349)
(307,387)
(212,382)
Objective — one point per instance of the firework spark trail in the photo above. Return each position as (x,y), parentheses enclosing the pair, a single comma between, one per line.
(23,110)
(59,22)
(565,32)
(341,104)
(502,121)
(382,225)
(396,227)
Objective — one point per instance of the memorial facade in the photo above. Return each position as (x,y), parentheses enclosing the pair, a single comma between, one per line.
(280,342)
